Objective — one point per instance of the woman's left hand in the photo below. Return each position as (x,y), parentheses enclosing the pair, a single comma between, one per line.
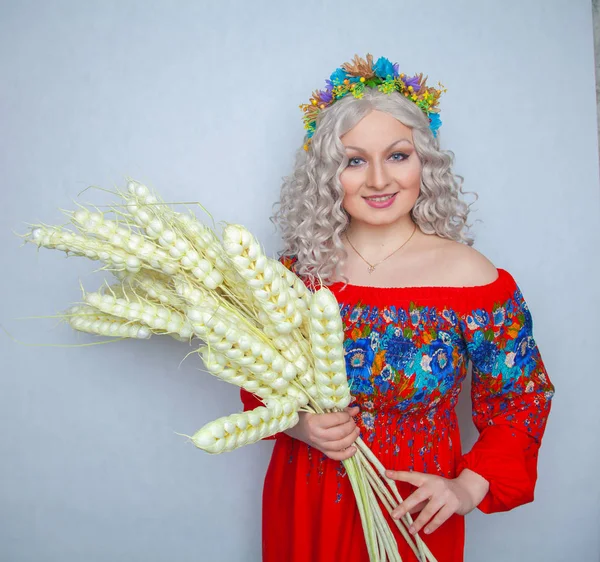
(439,497)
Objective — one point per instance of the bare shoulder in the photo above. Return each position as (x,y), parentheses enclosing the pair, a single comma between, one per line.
(457,264)
(466,266)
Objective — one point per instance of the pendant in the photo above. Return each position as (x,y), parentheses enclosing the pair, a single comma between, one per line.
(371,269)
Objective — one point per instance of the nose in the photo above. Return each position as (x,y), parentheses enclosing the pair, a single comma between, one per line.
(377,176)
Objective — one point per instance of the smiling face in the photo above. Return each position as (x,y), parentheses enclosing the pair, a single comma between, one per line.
(383,177)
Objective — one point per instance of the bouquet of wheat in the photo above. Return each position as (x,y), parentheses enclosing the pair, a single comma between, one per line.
(261,328)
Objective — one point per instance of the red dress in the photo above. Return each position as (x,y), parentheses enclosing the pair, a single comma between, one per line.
(407,351)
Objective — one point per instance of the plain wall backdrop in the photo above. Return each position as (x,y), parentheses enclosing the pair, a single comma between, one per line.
(200,100)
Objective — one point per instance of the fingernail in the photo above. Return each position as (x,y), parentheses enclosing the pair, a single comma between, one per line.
(412,530)
(427,531)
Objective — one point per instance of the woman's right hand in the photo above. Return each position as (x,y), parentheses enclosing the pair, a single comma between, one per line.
(332,433)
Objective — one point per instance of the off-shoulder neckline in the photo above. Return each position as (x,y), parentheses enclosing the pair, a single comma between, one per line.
(420,291)
(500,272)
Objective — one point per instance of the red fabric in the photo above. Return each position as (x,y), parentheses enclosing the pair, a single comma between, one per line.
(407,351)
(498,453)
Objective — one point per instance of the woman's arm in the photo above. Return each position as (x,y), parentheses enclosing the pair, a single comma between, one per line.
(511,395)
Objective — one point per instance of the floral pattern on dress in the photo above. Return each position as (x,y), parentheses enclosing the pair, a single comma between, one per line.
(412,355)
(411,358)
(407,353)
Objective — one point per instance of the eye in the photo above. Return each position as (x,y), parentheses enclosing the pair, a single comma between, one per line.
(352,161)
(401,156)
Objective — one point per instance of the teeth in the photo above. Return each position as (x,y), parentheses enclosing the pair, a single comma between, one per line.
(379,199)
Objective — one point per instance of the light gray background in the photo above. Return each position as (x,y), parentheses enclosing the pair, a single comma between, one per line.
(200,100)
(596,24)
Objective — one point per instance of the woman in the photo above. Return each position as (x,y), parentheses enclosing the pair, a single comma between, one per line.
(373,210)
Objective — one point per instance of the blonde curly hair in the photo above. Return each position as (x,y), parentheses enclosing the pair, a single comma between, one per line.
(310,213)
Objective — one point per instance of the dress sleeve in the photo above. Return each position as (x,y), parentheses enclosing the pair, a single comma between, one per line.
(511,395)
(251,401)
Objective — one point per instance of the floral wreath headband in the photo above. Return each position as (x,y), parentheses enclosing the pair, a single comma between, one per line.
(353,78)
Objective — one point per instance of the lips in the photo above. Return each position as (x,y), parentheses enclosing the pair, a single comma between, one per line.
(380,201)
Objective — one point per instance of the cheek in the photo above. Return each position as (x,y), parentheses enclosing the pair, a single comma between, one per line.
(413,176)
(349,182)
(351,202)
(351,186)
(415,171)
(348,203)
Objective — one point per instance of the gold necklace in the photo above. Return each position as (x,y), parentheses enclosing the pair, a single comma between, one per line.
(372,266)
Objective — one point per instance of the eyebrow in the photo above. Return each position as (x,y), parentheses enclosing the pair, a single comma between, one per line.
(391,145)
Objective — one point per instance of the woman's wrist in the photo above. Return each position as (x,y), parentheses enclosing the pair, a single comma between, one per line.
(297,431)
(475,486)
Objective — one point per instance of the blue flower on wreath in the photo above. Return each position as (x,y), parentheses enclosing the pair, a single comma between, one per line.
(359,359)
(435,122)
(384,68)
(338,76)
(483,353)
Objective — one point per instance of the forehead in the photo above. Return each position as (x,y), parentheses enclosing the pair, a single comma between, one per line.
(375,131)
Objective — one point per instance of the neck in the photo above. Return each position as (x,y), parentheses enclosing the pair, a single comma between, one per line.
(379,238)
